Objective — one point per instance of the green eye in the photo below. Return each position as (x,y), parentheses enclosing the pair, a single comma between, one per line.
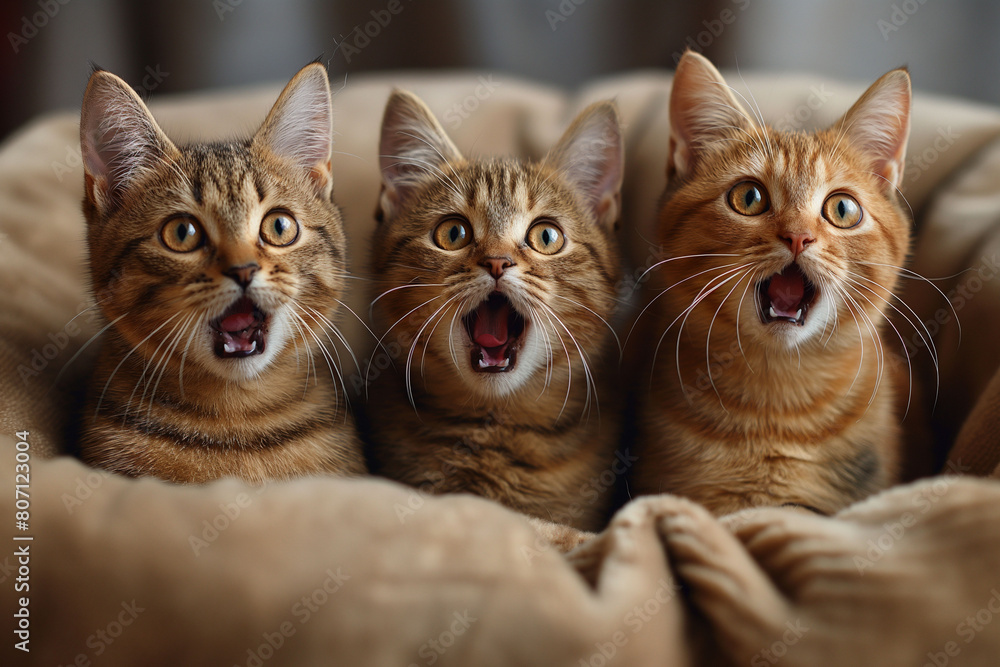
(182,234)
(842,210)
(279,229)
(453,234)
(749,198)
(546,238)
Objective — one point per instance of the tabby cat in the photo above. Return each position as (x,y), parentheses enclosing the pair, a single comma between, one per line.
(496,280)
(766,371)
(218,268)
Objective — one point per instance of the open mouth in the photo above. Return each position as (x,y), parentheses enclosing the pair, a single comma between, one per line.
(495,330)
(241,331)
(786,296)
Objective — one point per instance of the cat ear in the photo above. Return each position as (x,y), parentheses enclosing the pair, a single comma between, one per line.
(703,110)
(119,140)
(299,127)
(590,156)
(878,125)
(413,144)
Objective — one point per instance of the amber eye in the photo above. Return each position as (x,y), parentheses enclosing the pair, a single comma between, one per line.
(279,229)
(182,234)
(546,238)
(749,198)
(842,210)
(453,234)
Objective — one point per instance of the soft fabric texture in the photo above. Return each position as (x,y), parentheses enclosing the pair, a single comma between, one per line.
(126,572)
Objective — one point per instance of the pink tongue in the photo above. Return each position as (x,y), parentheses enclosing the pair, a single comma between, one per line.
(237,322)
(490,328)
(786,291)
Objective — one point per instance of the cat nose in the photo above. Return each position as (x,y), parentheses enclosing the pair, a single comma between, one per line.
(496,265)
(244,274)
(797,241)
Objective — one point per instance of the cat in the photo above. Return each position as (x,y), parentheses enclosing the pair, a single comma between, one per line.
(218,268)
(496,278)
(763,373)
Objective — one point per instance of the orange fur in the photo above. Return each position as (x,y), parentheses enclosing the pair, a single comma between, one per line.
(536,428)
(740,412)
(198,255)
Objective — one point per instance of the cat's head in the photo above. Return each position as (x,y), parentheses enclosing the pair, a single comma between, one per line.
(500,271)
(791,236)
(222,254)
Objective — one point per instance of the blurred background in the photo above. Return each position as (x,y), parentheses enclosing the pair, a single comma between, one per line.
(171,46)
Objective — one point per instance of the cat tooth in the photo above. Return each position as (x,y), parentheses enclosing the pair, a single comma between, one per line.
(253,348)
(773,314)
(798,315)
(229,348)
(482,363)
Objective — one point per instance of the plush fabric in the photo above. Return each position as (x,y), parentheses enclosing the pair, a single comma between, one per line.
(129,572)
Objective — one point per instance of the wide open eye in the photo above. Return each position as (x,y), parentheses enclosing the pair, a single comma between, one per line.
(279,229)
(749,198)
(546,238)
(842,210)
(453,234)
(182,234)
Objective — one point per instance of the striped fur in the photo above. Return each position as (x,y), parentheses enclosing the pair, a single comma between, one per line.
(743,412)
(163,400)
(538,436)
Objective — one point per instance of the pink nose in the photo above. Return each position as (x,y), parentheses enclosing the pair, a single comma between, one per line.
(797,241)
(243,275)
(496,265)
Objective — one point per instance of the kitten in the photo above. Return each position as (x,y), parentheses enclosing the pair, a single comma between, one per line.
(218,268)
(496,284)
(766,374)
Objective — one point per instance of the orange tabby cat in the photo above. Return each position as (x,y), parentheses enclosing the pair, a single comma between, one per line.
(497,279)
(769,384)
(218,268)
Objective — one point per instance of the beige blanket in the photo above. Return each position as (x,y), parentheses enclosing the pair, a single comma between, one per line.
(364,572)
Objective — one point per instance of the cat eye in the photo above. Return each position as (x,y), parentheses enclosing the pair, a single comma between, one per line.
(279,229)
(546,238)
(182,234)
(453,234)
(749,198)
(842,210)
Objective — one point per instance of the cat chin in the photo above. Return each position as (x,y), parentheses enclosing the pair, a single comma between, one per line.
(789,335)
(497,385)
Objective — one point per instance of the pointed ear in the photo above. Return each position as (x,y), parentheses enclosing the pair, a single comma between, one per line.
(299,127)
(412,145)
(878,125)
(703,110)
(590,157)
(119,140)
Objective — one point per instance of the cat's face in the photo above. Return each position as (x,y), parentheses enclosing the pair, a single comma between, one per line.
(217,255)
(791,237)
(498,270)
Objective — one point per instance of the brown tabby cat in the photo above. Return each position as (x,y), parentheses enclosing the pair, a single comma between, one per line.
(218,267)
(497,283)
(769,384)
